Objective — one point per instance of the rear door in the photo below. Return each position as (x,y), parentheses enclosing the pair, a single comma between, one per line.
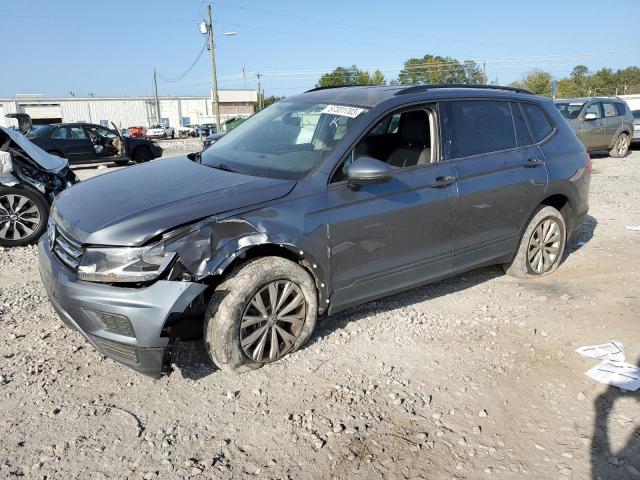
(74,143)
(611,122)
(592,131)
(501,176)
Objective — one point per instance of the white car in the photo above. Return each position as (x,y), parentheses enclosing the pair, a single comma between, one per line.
(188,131)
(159,130)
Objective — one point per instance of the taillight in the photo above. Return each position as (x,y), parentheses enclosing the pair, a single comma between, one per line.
(588,165)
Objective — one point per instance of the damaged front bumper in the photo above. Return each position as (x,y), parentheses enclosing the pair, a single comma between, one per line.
(125,324)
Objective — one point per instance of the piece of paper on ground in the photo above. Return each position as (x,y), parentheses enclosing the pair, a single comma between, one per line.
(613,350)
(635,228)
(618,374)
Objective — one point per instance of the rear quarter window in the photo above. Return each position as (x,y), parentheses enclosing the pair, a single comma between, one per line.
(539,124)
(620,108)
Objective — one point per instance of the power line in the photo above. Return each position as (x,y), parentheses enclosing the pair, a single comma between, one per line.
(191,67)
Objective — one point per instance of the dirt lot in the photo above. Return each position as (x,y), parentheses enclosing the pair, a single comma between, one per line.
(473,377)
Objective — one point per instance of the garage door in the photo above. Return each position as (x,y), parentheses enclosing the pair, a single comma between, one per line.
(40,114)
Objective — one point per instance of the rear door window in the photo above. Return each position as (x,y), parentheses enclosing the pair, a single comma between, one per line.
(70,133)
(609,109)
(620,108)
(539,124)
(475,127)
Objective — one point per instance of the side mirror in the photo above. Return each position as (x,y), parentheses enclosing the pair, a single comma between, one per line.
(367,170)
(590,116)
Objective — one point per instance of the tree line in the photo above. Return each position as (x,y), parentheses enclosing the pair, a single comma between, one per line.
(435,69)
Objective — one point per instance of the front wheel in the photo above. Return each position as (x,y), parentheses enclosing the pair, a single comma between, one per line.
(23,216)
(260,313)
(541,246)
(621,147)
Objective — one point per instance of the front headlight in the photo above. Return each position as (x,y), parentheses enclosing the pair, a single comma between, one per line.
(124,264)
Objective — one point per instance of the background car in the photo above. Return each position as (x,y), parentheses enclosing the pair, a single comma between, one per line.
(87,143)
(188,130)
(30,179)
(138,132)
(211,139)
(125,132)
(636,126)
(601,123)
(159,130)
(206,129)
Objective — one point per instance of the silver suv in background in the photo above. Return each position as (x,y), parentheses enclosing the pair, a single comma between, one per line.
(636,126)
(601,123)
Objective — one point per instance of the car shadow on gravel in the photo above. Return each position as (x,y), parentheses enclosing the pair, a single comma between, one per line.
(607,462)
(191,360)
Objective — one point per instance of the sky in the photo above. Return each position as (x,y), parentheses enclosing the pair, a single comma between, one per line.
(111,48)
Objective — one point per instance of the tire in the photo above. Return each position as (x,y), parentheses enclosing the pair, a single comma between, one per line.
(232,300)
(620,147)
(141,155)
(173,135)
(164,135)
(31,210)
(520,266)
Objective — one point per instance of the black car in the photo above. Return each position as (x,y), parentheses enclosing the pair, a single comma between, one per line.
(87,142)
(315,204)
(29,181)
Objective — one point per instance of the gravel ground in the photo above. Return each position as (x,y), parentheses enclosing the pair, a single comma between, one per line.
(472,377)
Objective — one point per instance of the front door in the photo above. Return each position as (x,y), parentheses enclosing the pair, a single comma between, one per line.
(592,131)
(390,236)
(611,123)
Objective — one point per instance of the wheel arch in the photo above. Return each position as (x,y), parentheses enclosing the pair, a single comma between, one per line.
(289,251)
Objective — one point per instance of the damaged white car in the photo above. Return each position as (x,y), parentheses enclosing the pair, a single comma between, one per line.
(30,179)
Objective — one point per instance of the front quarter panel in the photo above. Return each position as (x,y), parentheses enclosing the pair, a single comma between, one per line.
(298,226)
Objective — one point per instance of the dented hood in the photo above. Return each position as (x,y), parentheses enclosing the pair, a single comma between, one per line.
(132,205)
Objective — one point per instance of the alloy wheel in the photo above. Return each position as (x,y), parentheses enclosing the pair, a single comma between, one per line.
(19,217)
(622,145)
(273,321)
(544,246)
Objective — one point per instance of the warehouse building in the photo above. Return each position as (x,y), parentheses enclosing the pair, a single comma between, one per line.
(130,111)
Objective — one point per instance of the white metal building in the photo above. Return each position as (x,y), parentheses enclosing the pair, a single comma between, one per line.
(129,111)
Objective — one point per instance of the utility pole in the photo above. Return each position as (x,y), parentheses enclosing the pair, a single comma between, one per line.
(214,76)
(484,72)
(258,75)
(155,92)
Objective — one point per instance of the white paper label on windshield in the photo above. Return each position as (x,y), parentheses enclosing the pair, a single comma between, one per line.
(351,112)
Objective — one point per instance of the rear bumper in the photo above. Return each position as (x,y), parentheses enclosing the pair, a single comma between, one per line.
(148,346)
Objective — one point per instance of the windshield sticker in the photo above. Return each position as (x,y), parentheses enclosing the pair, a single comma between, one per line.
(351,112)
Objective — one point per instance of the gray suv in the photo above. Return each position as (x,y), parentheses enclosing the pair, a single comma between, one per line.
(601,123)
(318,203)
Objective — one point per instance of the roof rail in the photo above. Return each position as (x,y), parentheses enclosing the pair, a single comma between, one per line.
(315,89)
(422,88)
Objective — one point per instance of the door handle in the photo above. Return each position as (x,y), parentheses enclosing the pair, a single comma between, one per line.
(533,162)
(440,182)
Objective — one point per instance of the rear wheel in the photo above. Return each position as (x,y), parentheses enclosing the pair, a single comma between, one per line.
(23,216)
(621,147)
(262,312)
(173,134)
(541,246)
(164,135)
(141,155)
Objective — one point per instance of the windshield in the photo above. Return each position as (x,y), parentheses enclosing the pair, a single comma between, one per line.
(285,140)
(157,126)
(570,110)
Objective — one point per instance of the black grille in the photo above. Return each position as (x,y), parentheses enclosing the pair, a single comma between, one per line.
(68,251)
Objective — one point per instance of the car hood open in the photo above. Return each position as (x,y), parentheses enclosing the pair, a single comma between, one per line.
(132,205)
